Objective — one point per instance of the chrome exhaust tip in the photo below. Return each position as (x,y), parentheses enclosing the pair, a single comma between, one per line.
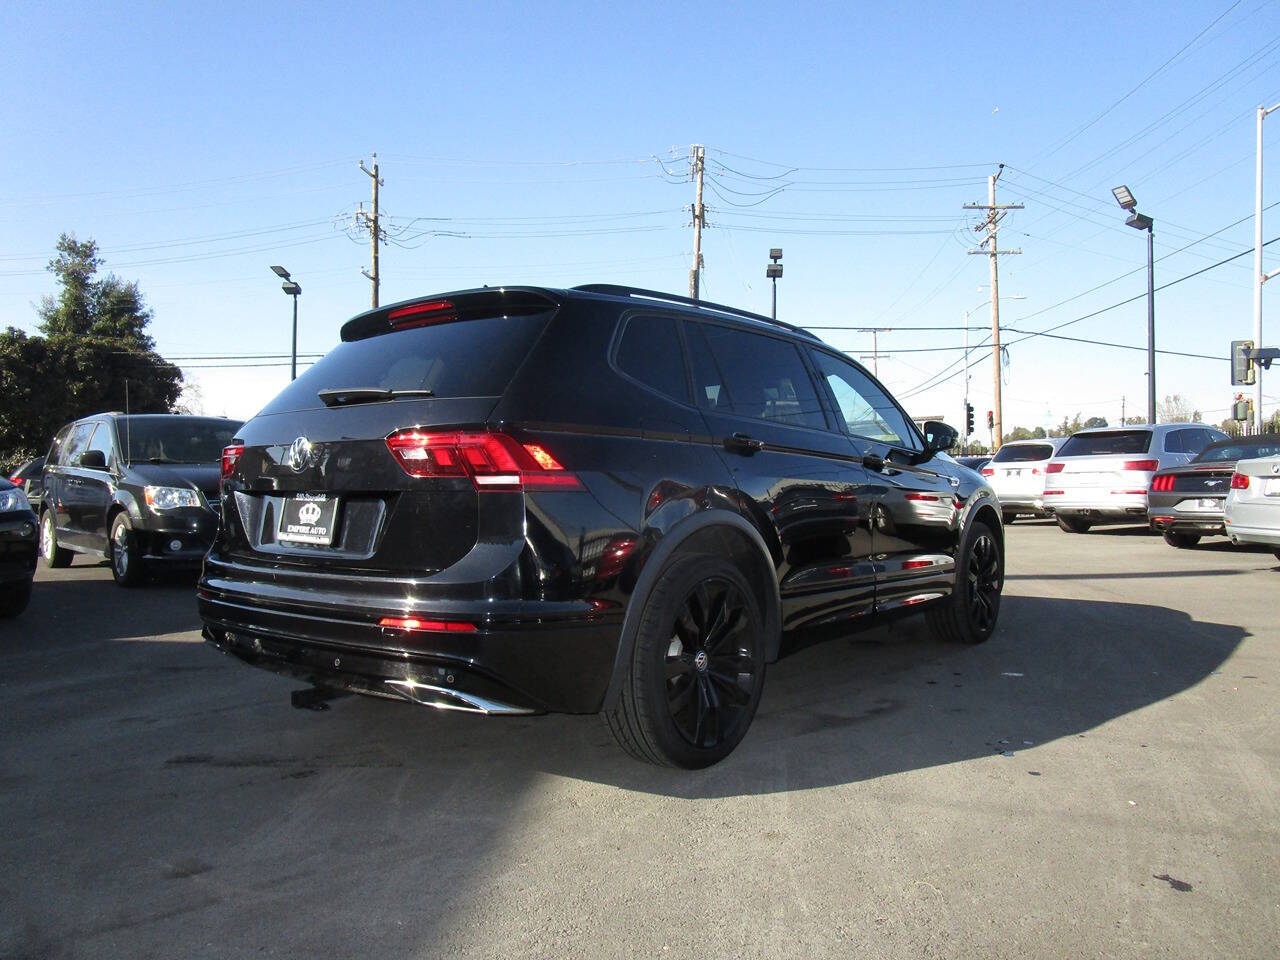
(442,698)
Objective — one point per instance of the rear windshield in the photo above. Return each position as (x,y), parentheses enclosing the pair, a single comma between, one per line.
(1239,450)
(1111,441)
(464,358)
(1023,453)
(174,439)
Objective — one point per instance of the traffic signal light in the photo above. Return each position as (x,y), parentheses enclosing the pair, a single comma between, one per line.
(1242,370)
(968,419)
(991,420)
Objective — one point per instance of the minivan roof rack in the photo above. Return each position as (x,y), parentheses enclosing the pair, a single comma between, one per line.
(618,290)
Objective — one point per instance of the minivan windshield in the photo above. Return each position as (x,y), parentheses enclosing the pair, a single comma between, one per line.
(167,439)
(1023,453)
(1106,441)
(462,358)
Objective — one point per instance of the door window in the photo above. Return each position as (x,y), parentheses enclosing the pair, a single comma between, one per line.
(76,444)
(867,410)
(102,442)
(752,375)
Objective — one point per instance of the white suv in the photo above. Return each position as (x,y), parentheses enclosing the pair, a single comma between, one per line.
(1102,475)
(1016,473)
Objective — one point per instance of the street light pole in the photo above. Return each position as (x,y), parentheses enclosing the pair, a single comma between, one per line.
(1259,278)
(773,271)
(293,289)
(1140,221)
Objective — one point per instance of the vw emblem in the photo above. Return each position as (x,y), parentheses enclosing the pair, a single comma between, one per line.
(309,513)
(700,660)
(299,456)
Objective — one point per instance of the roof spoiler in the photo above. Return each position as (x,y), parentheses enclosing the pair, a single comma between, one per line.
(446,307)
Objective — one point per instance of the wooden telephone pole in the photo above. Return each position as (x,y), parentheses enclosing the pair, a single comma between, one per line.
(370,222)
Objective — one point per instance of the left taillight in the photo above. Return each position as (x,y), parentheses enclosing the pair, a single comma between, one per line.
(988,472)
(1239,481)
(1145,465)
(493,461)
(230,457)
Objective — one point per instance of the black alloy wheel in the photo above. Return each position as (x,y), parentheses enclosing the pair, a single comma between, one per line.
(697,667)
(126,563)
(970,614)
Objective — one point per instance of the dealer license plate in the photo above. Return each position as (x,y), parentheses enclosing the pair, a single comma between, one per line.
(1272,487)
(308,518)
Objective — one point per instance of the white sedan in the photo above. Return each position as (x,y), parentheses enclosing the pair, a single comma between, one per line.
(1253,505)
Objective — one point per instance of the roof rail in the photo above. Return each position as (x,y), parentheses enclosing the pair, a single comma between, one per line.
(618,290)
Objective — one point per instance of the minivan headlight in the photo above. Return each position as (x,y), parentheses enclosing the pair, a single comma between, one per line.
(171,498)
(11,500)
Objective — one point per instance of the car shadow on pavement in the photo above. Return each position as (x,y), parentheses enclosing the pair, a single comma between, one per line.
(878,704)
(82,602)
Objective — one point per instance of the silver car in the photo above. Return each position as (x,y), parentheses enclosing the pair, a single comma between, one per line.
(1016,473)
(1102,475)
(1252,511)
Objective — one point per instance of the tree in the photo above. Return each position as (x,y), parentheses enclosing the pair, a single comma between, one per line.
(1096,422)
(1174,409)
(94,355)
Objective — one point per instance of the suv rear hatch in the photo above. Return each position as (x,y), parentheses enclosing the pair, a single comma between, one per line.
(1017,470)
(314,481)
(1098,466)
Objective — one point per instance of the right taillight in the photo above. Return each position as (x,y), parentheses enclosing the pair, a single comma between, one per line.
(493,461)
(1162,484)
(1239,481)
(988,472)
(1054,468)
(230,457)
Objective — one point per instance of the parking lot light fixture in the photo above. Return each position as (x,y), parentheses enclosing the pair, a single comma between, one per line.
(773,271)
(293,289)
(1140,221)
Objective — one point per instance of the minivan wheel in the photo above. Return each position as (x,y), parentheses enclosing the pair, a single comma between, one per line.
(1073,524)
(697,667)
(970,615)
(54,556)
(126,562)
(1181,540)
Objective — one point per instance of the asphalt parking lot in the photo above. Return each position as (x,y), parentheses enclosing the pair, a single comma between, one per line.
(1100,779)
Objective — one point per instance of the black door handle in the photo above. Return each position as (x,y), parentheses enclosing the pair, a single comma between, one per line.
(873,462)
(741,443)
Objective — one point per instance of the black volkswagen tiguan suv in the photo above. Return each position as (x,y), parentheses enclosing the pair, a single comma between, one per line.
(518,500)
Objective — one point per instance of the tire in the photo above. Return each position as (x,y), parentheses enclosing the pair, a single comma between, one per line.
(971,613)
(1277,553)
(127,566)
(1181,540)
(1073,524)
(54,556)
(697,667)
(1008,518)
(13,600)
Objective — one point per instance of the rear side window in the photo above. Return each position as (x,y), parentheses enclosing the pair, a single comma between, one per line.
(650,352)
(1023,453)
(463,358)
(1107,441)
(751,375)
(55,448)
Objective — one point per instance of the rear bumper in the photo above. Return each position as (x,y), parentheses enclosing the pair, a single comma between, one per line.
(1021,503)
(522,657)
(1169,518)
(1267,535)
(1099,507)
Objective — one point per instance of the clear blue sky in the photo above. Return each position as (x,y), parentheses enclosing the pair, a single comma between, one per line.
(199,145)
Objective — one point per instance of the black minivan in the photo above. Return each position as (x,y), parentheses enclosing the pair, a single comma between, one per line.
(140,491)
(518,500)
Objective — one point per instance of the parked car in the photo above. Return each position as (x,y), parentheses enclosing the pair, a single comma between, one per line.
(973,463)
(1101,475)
(140,491)
(1252,511)
(1185,503)
(517,500)
(1017,473)
(17,549)
(28,478)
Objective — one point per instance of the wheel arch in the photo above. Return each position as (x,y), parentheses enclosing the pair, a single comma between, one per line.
(718,532)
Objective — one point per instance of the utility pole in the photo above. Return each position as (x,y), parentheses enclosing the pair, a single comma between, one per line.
(995,213)
(370,223)
(1259,278)
(1122,411)
(699,218)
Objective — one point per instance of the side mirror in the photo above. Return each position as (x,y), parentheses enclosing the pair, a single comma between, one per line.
(93,460)
(938,436)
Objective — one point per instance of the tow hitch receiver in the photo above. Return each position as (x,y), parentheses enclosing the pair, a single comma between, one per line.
(315,698)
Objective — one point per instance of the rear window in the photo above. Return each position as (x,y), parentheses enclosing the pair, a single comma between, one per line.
(1023,453)
(464,358)
(1239,450)
(1110,441)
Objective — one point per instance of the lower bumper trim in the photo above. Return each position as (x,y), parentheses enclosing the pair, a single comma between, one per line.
(442,698)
